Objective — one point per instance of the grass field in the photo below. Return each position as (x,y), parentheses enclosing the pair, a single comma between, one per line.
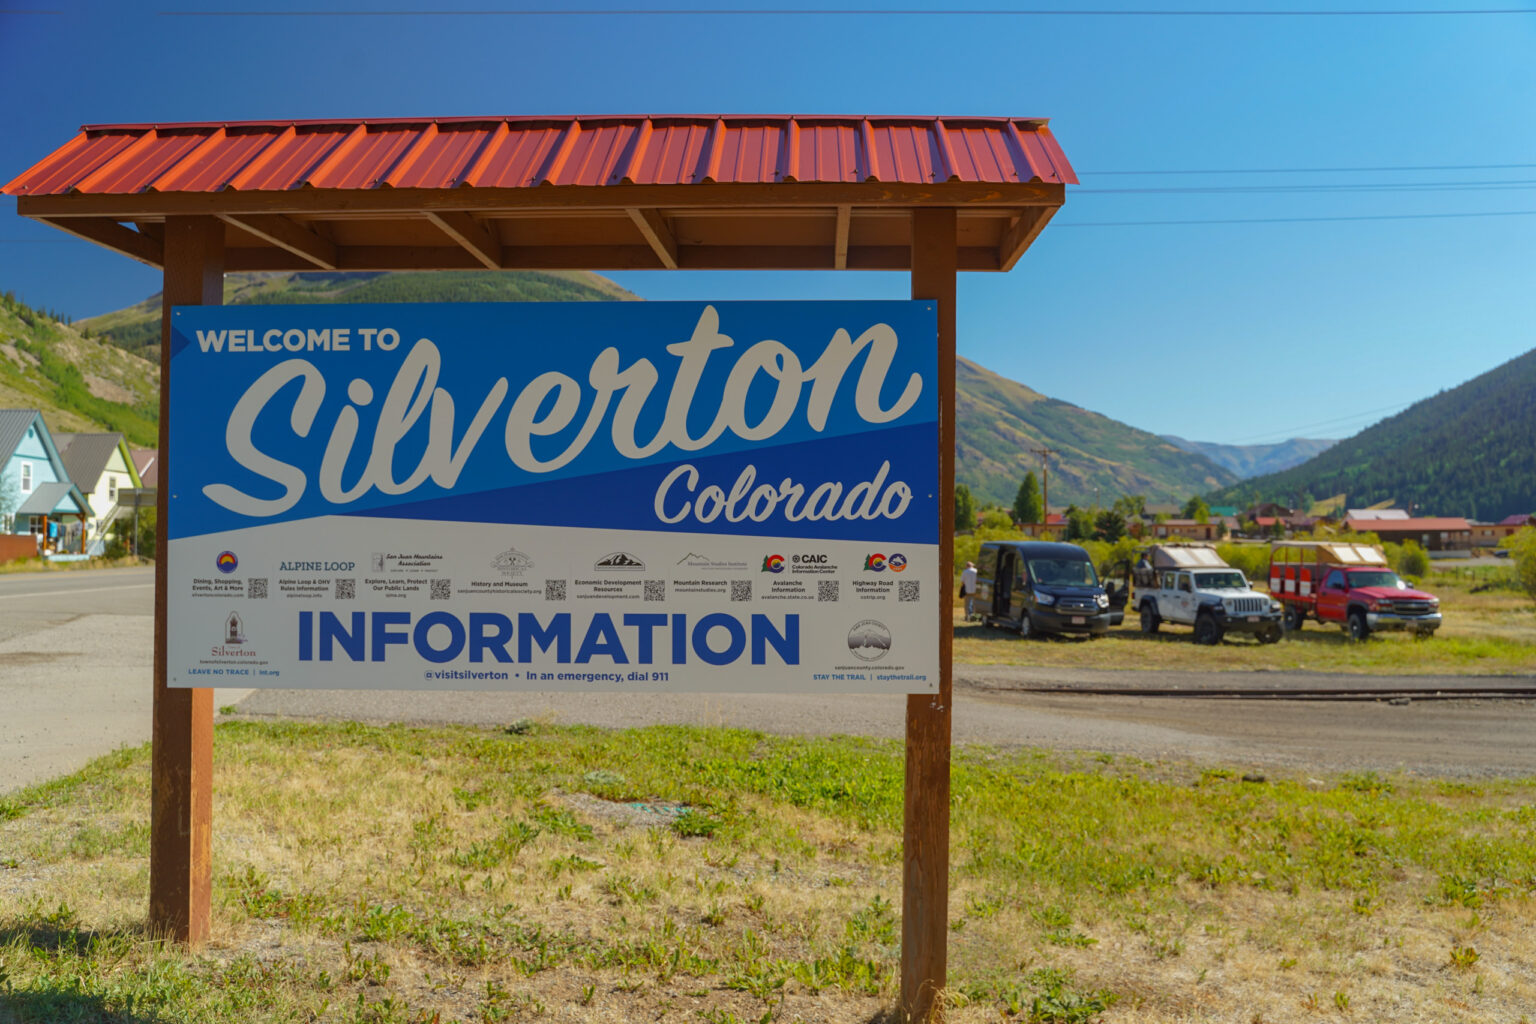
(394,874)
(1486,632)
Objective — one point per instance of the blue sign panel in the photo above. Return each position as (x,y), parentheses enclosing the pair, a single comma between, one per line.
(384,492)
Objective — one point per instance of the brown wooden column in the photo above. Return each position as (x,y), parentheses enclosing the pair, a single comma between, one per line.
(925,882)
(181,813)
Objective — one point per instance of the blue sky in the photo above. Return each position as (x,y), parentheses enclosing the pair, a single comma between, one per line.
(1234,332)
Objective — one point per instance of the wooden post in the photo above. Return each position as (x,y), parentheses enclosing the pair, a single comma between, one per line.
(181,813)
(925,847)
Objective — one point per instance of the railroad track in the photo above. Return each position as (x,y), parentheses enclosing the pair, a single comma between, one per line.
(1397,693)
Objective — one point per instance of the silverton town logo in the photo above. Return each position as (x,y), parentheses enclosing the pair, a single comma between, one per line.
(869,640)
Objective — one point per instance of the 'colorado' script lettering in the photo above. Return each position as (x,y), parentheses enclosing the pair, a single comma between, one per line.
(548,405)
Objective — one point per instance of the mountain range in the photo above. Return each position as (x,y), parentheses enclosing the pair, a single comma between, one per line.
(1250,460)
(82,383)
(1469,451)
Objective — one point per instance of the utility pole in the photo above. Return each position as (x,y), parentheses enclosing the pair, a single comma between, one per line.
(1045,473)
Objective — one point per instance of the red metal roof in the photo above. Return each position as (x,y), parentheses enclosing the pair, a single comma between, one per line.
(523,152)
(1421,525)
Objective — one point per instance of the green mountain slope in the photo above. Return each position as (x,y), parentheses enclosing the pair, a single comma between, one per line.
(1470,451)
(79,383)
(137,328)
(998,421)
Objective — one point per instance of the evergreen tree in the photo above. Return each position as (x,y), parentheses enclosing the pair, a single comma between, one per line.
(1109,526)
(1027,507)
(965,509)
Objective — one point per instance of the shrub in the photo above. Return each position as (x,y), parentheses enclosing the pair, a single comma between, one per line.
(1523,546)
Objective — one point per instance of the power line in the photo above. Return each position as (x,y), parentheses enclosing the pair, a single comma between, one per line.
(1321,170)
(717,12)
(1387,410)
(1508,184)
(1289,220)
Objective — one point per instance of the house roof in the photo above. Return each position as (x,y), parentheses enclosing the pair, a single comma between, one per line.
(85,455)
(1518,519)
(1421,525)
(1376,513)
(613,192)
(13,428)
(48,496)
(147,462)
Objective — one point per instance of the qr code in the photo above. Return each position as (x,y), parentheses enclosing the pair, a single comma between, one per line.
(554,590)
(826,590)
(257,587)
(655,590)
(346,589)
(741,590)
(442,590)
(906,590)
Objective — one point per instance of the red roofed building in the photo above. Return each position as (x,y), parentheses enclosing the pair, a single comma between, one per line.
(1434,533)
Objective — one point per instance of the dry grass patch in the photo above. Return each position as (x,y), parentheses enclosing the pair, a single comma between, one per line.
(395,874)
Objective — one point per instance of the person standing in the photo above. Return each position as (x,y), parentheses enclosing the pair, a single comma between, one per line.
(968,589)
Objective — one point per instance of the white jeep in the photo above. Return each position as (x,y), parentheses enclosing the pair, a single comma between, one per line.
(1190,585)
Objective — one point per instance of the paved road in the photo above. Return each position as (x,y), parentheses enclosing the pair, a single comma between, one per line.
(75,654)
(76,649)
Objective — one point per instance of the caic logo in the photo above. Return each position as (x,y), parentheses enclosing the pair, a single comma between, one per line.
(773,563)
(512,562)
(874,562)
(897,562)
(227,562)
(619,561)
(811,559)
(869,640)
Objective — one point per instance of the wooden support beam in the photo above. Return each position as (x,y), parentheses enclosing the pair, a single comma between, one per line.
(925,850)
(285,233)
(657,235)
(181,772)
(107,232)
(1031,221)
(840,243)
(470,234)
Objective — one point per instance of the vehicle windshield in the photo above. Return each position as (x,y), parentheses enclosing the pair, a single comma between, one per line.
(1232,580)
(1377,578)
(1062,572)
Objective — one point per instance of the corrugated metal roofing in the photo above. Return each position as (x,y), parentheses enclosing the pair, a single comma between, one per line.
(46,498)
(527,152)
(86,455)
(1426,523)
(13,427)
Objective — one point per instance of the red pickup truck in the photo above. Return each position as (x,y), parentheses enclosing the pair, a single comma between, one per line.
(1349,584)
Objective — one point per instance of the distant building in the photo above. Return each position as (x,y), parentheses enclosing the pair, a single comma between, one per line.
(1433,533)
(100,465)
(1376,513)
(37,498)
(1488,535)
(1187,528)
(147,462)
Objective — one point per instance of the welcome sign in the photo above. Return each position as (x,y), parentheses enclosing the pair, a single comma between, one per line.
(550,496)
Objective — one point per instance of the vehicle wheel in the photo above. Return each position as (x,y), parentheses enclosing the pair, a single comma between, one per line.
(1358,629)
(1149,620)
(1270,635)
(1207,631)
(1026,626)
(1294,618)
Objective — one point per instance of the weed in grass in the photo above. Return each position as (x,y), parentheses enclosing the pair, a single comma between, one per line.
(694,824)
(1464,958)
(505,847)
(560,822)
(1341,1001)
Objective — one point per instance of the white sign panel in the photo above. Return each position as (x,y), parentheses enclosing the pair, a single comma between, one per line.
(550,496)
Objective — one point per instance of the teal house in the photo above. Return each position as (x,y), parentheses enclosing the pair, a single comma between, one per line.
(36,494)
